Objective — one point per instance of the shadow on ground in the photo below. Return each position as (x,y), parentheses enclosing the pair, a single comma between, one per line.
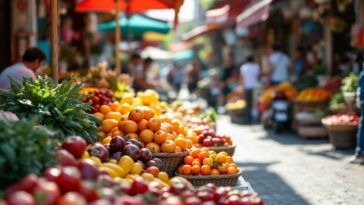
(331,153)
(270,185)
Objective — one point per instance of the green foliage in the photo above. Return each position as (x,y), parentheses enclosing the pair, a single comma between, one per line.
(57,106)
(337,101)
(350,83)
(24,149)
(210,115)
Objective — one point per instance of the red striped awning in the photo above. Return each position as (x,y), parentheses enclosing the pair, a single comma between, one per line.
(257,11)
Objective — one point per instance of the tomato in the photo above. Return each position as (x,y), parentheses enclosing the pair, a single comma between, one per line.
(168,146)
(153,170)
(153,147)
(126,162)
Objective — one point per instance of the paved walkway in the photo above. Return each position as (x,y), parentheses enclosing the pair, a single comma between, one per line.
(287,170)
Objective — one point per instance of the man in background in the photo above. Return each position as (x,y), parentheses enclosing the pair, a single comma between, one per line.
(32,59)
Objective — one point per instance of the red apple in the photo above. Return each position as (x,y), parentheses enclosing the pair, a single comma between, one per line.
(69,179)
(51,174)
(76,145)
(138,187)
(88,191)
(20,198)
(88,169)
(65,158)
(100,151)
(128,200)
(47,193)
(28,183)
(207,143)
(72,198)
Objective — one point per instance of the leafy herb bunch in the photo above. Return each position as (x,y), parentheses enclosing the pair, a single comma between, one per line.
(24,149)
(57,106)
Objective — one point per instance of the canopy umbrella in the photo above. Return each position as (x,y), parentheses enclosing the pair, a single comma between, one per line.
(129,6)
(136,26)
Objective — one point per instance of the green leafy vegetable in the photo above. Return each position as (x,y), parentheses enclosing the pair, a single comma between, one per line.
(57,106)
(337,101)
(24,149)
(350,83)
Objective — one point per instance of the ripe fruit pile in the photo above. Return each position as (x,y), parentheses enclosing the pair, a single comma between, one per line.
(314,94)
(341,120)
(209,138)
(99,97)
(205,162)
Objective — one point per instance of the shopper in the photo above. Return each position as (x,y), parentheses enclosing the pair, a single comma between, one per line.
(359,151)
(32,59)
(141,81)
(279,64)
(193,76)
(299,63)
(249,74)
(228,75)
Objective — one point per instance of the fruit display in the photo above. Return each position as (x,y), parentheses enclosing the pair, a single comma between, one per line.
(209,138)
(350,83)
(340,119)
(57,106)
(314,95)
(285,87)
(237,105)
(97,98)
(337,101)
(201,161)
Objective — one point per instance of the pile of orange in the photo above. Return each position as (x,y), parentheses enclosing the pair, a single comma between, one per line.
(201,161)
(131,118)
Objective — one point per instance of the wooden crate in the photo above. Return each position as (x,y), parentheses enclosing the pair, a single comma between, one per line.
(299,106)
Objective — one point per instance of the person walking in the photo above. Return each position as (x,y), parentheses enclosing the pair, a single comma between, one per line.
(359,151)
(279,64)
(249,74)
(32,59)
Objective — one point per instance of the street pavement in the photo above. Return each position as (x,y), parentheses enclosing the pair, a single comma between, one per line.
(287,170)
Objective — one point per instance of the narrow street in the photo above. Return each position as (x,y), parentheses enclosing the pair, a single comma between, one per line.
(287,170)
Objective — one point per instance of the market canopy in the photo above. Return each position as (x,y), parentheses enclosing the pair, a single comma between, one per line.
(136,26)
(156,53)
(254,13)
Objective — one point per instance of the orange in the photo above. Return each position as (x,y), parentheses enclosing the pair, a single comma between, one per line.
(178,149)
(124,117)
(146,135)
(188,160)
(104,109)
(99,115)
(205,149)
(136,114)
(106,140)
(189,144)
(205,170)
(171,136)
(220,158)
(196,169)
(175,124)
(128,126)
(233,165)
(212,153)
(117,133)
(215,172)
(131,136)
(168,146)
(127,98)
(108,125)
(196,162)
(195,152)
(229,159)
(125,108)
(160,137)
(113,115)
(231,170)
(142,125)
(115,106)
(203,155)
(179,170)
(186,169)
(223,153)
(222,168)
(102,134)
(208,161)
(153,147)
(154,124)
(148,113)
(181,142)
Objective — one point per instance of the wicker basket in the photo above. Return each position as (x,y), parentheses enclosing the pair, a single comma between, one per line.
(218,180)
(171,161)
(342,136)
(229,150)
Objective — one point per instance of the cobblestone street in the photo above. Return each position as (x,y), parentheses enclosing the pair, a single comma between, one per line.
(287,170)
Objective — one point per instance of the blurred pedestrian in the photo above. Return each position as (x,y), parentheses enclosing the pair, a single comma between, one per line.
(299,63)
(193,76)
(359,151)
(228,74)
(279,65)
(249,74)
(141,81)
(216,86)
(32,59)
(177,76)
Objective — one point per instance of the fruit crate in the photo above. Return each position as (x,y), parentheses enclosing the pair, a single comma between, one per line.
(303,106)
(218,180)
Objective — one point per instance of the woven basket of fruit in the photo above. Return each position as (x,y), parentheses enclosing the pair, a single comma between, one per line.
(171,161)
(218,180)
(230,150)
(342,130)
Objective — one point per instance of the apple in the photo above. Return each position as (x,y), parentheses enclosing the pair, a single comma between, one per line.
(101,202)
(105,181)
(72,198)
(107,193)
(117,155)
(20,198)
(151,163)
(207,143)
(76,145)
(146,155)
(234,200)
(128,200)
(65,158)
(88,169)
(47,193)
(173,200)
(138,187)
(69,179)
(28,183)
(88,191)
(51,174)
(117,144)
(178,188)
(100,151)
(193,201)
(135,142)
(205,195)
